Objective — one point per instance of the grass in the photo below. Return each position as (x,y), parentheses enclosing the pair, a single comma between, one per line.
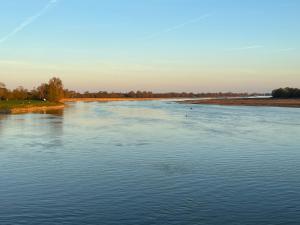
(13,104)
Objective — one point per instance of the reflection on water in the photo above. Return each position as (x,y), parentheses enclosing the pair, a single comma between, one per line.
(2,121)
(150,163)
(24,127)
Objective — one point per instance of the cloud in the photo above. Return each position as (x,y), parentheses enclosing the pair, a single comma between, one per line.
(178,26)
(248,47)
(286,50)
(28,21)
(252,47)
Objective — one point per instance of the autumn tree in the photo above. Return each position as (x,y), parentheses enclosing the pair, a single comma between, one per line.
(20,93)
(3,91)
(42,91)
(55,90)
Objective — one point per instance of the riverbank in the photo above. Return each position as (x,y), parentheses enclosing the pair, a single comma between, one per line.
(270,102)
(106,99)
(27,106)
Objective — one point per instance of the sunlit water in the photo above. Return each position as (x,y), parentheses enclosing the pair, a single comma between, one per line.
(156,162)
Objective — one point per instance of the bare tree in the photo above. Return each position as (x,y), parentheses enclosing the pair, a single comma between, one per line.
(42,91)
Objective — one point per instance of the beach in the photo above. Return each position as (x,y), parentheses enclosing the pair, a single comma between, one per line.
(270,102)
(28,106)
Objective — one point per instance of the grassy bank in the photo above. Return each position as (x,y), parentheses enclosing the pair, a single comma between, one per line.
(18,106)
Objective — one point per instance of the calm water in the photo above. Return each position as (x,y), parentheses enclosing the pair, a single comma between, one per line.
(127,163)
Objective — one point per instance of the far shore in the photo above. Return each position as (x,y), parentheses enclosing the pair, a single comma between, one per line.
(35,109)
(268,102)
(30,109)
(28,106)
(106,99)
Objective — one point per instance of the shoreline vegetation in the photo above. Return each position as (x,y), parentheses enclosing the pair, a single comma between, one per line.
(53,96)
(45,97)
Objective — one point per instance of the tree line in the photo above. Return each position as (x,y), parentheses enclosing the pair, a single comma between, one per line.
(147,94)
(286,93)
(54,91)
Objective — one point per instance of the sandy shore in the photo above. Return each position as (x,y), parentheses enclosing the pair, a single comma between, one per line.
(30,109)
(248,102)
(106,99)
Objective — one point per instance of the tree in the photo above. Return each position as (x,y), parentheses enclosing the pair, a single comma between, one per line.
(3,91)
(139,94)
(2,85)
(43,91)
(286,93)
(55,90)
(131,94)
(20,93)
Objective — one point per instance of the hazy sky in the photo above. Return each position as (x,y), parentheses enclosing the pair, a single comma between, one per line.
(158,45)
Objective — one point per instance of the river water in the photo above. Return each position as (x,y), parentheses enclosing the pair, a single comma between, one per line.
(152,162)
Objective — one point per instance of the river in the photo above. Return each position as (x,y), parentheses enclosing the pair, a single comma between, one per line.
(151,162)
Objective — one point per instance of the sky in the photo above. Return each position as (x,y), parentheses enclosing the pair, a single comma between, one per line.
(155,45)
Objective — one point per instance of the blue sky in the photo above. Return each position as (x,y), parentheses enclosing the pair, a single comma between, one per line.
(159,45)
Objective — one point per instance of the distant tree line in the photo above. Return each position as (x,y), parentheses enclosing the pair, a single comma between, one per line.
(148,94)
(52,91)
(286,93)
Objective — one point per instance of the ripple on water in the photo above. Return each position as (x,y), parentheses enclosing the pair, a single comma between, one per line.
(147,163)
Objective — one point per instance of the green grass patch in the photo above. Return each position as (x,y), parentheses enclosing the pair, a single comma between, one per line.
(12,104)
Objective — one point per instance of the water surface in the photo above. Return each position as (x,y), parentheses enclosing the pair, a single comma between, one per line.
(151,162)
